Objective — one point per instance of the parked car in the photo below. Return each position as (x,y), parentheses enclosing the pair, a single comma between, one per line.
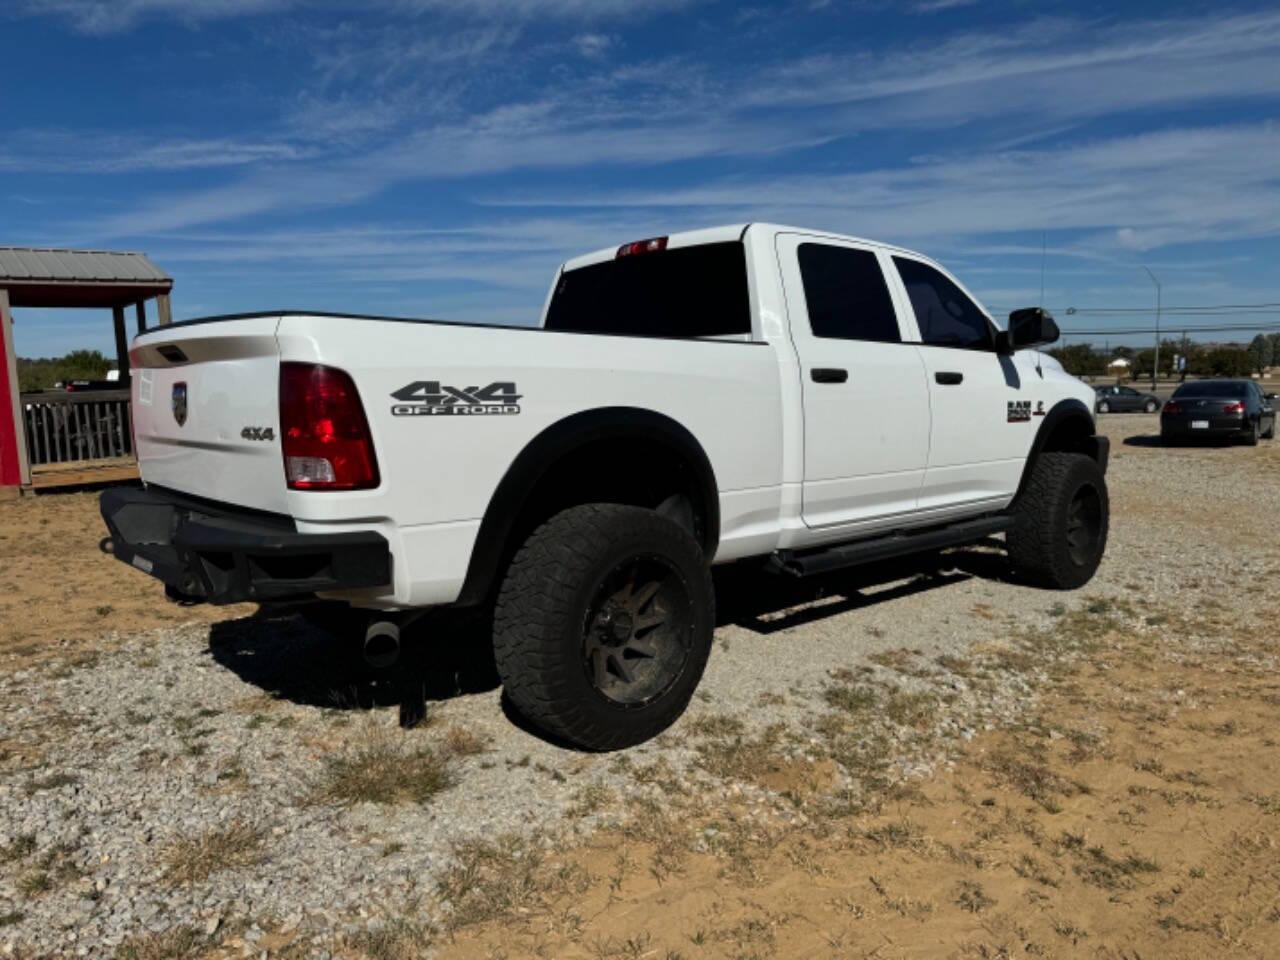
(1125,399)
(1219,408)
(756,392)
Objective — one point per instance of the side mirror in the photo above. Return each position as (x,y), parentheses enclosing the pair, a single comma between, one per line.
(1031,327)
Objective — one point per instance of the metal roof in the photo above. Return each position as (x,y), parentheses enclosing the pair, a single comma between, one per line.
(48,277)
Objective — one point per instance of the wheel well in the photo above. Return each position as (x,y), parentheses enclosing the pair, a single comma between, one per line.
(1069,435)
(625,456)
(1068,428)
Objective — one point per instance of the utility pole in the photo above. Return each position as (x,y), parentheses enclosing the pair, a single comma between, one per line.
(1155,366)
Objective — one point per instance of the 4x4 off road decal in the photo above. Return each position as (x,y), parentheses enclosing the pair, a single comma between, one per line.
(432,398)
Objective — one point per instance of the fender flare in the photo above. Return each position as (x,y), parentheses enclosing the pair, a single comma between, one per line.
(552,445)
(1062,412)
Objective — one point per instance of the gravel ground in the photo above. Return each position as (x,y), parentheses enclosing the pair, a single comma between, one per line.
(231,735)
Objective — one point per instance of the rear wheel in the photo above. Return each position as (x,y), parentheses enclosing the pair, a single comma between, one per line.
(1254,432)
(603,625)
(1061,523)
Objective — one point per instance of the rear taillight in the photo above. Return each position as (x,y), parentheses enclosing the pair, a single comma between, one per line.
(1171,407)
(1233,408)
(325,436)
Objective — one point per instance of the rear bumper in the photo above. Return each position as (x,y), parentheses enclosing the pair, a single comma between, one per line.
(211,552)
(1218,427)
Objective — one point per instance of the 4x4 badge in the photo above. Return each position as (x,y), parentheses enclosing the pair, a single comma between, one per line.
(432,398)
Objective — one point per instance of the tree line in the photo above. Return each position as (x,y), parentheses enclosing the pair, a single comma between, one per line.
(42,373)
(1203,360)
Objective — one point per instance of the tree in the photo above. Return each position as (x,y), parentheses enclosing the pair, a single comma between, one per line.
(1260,353)
(43,372)
(1275,348)
(1227,362)
(1079,359)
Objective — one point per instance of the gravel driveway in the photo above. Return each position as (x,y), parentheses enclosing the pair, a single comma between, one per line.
(225,776)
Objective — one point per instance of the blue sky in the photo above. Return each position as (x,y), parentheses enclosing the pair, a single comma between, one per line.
(441,157)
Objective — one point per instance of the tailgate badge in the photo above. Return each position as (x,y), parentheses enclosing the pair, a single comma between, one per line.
(180,402)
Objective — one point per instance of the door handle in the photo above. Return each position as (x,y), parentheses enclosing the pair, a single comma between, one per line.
(948,377)
(828,375)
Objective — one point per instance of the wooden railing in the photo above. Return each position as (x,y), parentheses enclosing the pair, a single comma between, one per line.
(64,427)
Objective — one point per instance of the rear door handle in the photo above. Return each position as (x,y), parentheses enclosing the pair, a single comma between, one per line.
(828,375)
(948,377)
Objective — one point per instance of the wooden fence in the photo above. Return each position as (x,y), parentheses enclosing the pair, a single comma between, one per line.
(64,427)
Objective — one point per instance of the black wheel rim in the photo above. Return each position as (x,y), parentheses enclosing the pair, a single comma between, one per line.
(638,631)
(1084,525)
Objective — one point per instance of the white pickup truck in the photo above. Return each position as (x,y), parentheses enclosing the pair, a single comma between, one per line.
(809,400)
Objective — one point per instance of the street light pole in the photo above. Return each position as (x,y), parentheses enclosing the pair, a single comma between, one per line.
(1155,366)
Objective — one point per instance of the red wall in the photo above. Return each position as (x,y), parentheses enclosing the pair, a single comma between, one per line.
(10,471)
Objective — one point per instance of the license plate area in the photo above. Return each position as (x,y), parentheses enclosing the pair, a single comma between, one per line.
(1199,424)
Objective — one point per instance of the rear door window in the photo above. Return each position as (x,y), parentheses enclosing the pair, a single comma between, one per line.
(846,295)
(698,291)
(945,315)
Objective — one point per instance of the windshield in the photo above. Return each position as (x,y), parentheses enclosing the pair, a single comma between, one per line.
(1211,389)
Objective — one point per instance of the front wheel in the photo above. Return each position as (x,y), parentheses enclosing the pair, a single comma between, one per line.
(603,625)
(1251,437)
(1104,407)
(1061,521)
(1152,406)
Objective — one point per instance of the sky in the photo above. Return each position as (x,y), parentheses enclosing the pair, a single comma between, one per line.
(440,158)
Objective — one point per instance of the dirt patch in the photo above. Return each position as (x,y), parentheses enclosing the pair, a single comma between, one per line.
(1136,814)
(61,594)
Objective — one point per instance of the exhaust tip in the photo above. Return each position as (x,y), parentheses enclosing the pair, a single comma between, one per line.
(382,644)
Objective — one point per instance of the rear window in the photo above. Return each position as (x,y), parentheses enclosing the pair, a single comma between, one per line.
(1211,389)
(688,292)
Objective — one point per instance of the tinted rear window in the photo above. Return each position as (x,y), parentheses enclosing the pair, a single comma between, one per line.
(688,292)
(1211,389)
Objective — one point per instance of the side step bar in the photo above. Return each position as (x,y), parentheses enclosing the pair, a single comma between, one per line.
(882,548)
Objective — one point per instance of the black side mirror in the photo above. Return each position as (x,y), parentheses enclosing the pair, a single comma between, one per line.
(1030,327)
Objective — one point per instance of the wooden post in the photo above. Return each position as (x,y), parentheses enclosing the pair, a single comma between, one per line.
(122,344)
(163,316)
(15,466)
(141,310)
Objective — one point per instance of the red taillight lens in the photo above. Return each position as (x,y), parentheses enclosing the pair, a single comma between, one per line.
(1233,408)
(1171,407)
(325,436)
(652,245)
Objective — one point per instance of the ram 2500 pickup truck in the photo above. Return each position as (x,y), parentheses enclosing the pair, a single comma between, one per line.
(808,400)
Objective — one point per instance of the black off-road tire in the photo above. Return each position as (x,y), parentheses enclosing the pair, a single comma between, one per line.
(544,608)
(1061,519)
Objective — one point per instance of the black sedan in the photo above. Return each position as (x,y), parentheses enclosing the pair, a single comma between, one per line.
(1120,399)
(1219,408)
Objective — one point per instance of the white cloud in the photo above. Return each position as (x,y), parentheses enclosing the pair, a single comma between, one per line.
(114,16)
(933,6)
(593,45)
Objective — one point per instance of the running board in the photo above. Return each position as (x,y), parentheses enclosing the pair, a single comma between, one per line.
(882,548)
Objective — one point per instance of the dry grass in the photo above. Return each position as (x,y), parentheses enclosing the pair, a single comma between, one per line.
(180,943)
(496,880)
(384,769)
(191,860)
(403,938)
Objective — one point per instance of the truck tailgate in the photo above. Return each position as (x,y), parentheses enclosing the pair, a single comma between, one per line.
(206,412)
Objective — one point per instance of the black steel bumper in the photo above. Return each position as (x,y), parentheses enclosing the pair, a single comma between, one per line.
(210,552)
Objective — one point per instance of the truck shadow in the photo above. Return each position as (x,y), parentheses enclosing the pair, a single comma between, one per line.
(448,653)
